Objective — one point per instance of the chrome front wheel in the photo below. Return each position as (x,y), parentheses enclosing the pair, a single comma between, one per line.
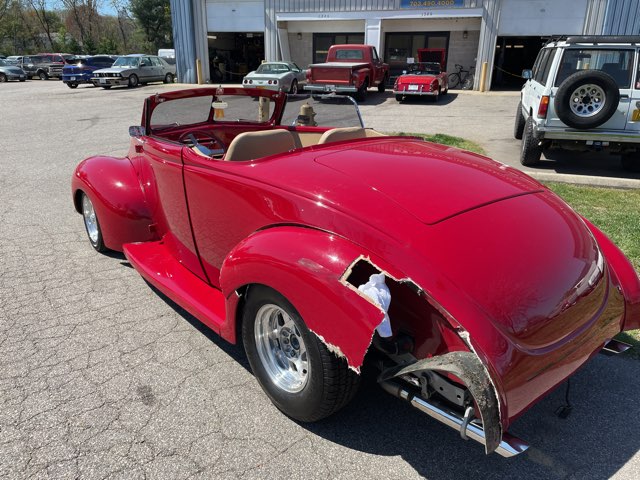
(91,224)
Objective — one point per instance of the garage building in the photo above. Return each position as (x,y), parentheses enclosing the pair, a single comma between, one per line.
(231,38)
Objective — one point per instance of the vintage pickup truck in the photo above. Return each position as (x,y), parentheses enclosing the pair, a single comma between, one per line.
(349,69)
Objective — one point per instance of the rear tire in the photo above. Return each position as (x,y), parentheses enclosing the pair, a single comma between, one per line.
(106,87)
(3,78)
(168,78)
(72,85)
(294,87)
(399,98)
(382,85)
(361,94)
(531,148)
(294,368)
(518,128)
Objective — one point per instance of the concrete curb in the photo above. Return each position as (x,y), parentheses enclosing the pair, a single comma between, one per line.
(591,181)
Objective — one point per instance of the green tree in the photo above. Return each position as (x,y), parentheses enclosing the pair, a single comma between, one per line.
(107,45)
(154,18)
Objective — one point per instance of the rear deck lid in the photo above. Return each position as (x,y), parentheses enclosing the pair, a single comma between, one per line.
(432,182)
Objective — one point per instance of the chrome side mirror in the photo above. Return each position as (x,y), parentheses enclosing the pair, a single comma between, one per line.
(136,131)
(527,74)
(404,72)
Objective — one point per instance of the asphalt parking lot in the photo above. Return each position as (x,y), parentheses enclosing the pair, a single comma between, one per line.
(103,377)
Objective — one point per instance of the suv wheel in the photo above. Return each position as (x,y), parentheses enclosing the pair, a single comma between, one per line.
(531,148)
(587,99)
(43,75)
(518,128)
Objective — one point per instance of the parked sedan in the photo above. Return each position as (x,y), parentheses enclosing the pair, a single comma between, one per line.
(134,70)
(11,72)
(421,79)
(276,76)
(81,70)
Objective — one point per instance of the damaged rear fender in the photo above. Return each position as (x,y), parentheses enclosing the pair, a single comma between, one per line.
(305,266)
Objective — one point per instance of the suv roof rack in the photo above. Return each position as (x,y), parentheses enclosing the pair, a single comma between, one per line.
(603,39)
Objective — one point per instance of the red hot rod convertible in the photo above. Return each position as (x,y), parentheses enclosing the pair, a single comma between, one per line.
(470,286)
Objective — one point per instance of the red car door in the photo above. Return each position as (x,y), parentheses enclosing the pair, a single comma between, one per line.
(160,171)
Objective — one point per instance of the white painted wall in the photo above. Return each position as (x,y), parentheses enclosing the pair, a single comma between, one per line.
(542,17)
(237,16)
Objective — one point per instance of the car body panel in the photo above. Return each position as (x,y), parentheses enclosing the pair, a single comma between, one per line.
(478,256)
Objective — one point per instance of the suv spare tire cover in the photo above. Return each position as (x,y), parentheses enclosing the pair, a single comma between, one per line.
(572,84)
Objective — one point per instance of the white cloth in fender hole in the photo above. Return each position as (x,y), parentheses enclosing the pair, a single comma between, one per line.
(376,289)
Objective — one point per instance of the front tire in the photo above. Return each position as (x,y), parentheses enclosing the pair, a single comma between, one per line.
(518,128)
(133,81)
(294,368)
(43,76)
(531,148)
(72,85)
(3,78)
(91,224)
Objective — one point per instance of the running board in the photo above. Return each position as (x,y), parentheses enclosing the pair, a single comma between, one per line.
(159,267)
(509,446)
(614,347)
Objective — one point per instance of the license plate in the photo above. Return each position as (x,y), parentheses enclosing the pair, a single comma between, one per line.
(635,116)
(259,86)
(330,88)
(413,87)
(73,78)
(103,80)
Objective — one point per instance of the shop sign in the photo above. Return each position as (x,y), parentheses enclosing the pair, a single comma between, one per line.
(431,3)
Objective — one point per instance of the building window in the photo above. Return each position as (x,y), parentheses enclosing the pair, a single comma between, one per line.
(322,42)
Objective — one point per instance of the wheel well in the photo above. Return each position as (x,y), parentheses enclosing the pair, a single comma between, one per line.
(77,199)
(242,294)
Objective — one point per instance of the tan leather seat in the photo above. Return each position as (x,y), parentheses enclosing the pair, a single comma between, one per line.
(348,133)
(252,145)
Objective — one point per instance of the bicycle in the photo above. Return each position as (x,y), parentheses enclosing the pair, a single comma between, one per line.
(462,78)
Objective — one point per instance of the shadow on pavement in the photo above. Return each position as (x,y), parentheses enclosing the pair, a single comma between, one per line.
(430,101)
(594,442)
(598,164)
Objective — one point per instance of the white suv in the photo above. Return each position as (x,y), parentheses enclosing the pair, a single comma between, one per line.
(583,93)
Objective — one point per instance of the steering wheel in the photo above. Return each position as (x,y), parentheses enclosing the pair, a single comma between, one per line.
(210,141)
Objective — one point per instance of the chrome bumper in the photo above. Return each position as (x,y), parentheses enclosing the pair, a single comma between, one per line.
(331,88)
(416,92)
(545,133)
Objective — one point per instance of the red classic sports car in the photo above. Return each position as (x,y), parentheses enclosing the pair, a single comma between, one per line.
(421,79)
(471,287)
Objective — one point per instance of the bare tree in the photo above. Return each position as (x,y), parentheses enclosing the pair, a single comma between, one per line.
(44,16)
(124,18)
(84,14)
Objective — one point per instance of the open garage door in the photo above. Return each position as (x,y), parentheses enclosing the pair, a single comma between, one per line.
(513,54)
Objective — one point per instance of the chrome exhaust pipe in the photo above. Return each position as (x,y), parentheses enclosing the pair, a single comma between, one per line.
(509,446)
(614,347)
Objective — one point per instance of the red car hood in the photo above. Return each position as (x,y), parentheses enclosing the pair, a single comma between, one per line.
(432,182)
